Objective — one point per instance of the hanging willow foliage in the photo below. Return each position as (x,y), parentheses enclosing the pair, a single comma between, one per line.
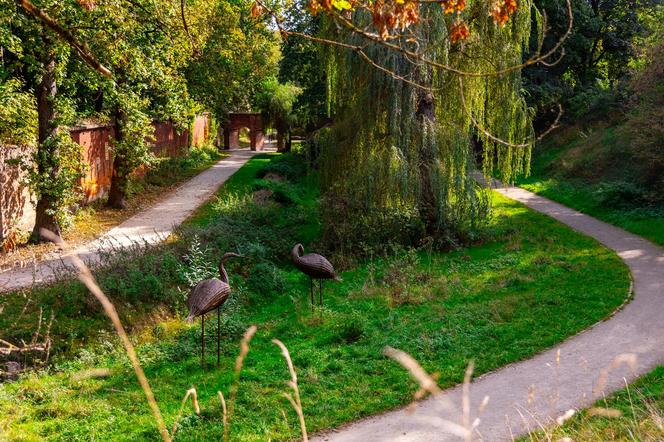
(407,145)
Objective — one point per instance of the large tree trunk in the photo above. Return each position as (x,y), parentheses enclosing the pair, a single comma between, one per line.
(426,117)
(47,205)
(280,141)
(289,141)
(120,178)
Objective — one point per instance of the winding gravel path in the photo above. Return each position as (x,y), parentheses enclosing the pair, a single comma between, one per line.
(525,395)
(150,226)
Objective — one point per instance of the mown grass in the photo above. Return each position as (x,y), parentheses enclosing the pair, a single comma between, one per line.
(634,413)
(579,170)
(530,284)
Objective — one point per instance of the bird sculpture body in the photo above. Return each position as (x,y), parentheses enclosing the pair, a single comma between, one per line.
(315,266)
(208,295)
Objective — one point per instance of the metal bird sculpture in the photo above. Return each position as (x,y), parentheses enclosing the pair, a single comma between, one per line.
(208,295)
(315,266)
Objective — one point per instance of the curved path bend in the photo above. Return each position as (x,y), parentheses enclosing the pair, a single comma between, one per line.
(526,395)
(150,226)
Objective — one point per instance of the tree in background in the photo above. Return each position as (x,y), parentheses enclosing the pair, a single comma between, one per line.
(276,101)
(35,57)
(138,42)
(239,54)
(304,63)
(412,84)
(597,55)
(645,123)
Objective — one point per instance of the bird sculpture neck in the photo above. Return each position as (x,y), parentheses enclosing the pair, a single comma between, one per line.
(297,251)
(222,271)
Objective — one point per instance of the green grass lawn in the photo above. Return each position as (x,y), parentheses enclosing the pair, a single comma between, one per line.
(562,170)
(634,413)
(528,285)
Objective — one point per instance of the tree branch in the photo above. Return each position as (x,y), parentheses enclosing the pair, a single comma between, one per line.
(80,47)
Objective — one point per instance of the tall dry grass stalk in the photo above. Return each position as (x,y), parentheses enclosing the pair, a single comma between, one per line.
(295,402)
(239,362)
(428,384)
(86,277)
(224,410)
(194,398)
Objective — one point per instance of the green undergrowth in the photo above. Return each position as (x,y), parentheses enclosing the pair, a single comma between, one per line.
(591,171)
(528,285)
(633,413)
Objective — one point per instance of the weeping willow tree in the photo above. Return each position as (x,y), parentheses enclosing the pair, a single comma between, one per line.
(408,133)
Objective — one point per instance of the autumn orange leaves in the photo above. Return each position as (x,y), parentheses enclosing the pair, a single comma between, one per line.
(501,11)
(392,17)
(399,14)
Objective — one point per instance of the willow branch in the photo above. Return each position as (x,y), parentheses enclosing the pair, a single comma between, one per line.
(553,125)
(494,138)
(537,57)
(80,47)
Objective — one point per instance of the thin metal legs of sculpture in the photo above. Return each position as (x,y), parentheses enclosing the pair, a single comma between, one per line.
(218,338)
(320,292)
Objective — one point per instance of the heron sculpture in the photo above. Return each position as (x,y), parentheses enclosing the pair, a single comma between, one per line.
(315,266)
(208,295)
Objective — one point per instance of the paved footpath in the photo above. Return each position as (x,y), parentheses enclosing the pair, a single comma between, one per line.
(150,226)
(526,394)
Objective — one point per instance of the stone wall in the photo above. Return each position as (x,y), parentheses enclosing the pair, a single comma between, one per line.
(16,206)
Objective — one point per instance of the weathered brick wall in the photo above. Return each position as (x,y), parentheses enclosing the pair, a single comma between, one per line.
(200,130)
(16,206)
(97,156)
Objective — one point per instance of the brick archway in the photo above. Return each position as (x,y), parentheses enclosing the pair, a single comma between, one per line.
(252,121)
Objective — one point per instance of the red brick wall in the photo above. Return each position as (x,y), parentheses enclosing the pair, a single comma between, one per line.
(16,209)
(97,155)
(96,142)
(200,130)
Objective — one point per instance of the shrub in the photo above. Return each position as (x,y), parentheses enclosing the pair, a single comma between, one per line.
(289,166)
(619,195)
(645,123)
(355,233)
(266,280)
(344,328)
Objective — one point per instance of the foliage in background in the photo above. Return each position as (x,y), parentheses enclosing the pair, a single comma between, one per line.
(239,54)
(645,123)
(276,101)
(18,114)
(598,55)
(303,63)
(611,167)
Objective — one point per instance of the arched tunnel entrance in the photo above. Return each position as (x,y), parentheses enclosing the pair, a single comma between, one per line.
(237,121)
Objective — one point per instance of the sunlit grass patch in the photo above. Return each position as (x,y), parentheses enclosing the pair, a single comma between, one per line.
(491,303)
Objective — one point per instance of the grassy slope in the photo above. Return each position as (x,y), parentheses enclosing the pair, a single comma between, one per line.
(570,167)
(641,407)
(530,285)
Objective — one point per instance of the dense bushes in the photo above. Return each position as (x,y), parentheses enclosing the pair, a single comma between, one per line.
(355,232)
(645,124)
